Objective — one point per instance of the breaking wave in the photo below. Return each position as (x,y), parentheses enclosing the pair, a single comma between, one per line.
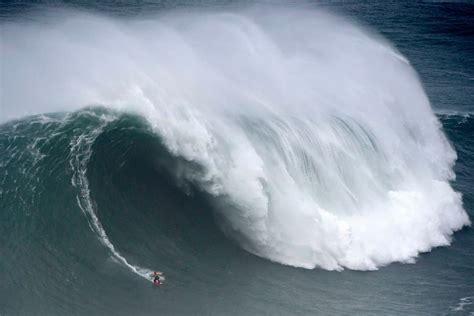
(311,138)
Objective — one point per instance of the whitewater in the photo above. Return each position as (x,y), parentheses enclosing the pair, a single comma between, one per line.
(311,136)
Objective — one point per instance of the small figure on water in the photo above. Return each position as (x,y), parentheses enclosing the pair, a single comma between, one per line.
(156,277)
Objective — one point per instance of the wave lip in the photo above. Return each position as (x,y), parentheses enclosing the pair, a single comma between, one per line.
(312,137)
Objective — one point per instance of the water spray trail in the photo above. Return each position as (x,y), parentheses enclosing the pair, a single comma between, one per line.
(81,151)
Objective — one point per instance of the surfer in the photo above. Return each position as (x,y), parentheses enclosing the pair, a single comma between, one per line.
(156,277)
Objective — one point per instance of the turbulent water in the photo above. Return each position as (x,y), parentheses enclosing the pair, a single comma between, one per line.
(188,141)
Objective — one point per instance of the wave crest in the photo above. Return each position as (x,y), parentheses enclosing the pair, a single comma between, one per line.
(314,138)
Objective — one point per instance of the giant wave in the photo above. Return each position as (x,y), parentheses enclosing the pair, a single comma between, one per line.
(311,137)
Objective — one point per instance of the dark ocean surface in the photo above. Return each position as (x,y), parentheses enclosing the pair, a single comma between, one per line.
(95,193)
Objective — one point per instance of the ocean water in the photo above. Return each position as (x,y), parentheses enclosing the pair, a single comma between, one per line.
(291,158)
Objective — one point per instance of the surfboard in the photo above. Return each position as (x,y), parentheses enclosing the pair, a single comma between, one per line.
(161,279)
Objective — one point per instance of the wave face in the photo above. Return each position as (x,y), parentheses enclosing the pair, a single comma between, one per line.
(311,138)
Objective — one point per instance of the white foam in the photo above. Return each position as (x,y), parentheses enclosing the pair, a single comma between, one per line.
(462,303)
(315,137)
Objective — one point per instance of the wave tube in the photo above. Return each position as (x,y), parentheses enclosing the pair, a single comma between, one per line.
(311,136)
